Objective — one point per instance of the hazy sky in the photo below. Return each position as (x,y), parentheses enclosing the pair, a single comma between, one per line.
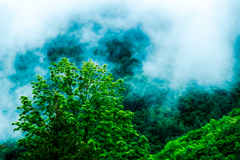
(191,39)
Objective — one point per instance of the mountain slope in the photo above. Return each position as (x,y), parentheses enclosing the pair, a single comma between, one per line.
(216,140)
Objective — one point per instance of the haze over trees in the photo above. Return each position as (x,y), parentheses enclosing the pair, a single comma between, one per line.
(160,113)
(159,121)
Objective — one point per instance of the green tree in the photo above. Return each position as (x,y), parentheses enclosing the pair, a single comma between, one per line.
(2,147)
(83,122)
(10,149)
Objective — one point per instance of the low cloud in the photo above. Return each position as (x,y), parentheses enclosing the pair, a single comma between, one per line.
(191,40)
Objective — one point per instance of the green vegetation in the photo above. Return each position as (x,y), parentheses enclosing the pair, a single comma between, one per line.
(217,140)
(194,109)
(10,150)
(159,122)
(2,147)
(160,114)
(85,122)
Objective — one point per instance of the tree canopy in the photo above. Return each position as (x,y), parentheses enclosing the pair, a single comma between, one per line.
(216,140)
(78,116)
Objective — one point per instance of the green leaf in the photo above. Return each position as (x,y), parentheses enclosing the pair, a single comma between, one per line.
(93,121)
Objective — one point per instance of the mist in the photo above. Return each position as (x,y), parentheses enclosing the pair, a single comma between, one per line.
(175,42)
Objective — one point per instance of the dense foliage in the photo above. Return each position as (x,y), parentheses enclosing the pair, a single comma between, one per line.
(161,122)
(85,122)
(217,140)
(10,150)
(160,114)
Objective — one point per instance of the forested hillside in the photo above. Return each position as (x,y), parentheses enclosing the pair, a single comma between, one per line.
(216,140)
(161,124)
(161,114)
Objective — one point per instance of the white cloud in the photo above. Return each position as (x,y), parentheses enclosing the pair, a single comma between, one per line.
(40,71)
(193,39)
(197,44)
